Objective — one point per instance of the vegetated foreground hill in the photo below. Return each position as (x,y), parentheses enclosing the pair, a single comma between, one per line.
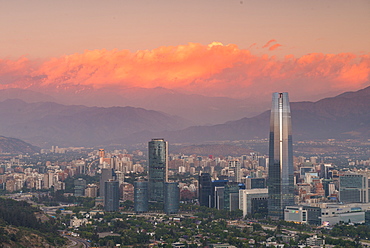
(19,226)
(344,116)
(45,123)
(16,146)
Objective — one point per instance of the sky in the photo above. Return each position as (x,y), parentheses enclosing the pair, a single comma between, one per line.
(209,47)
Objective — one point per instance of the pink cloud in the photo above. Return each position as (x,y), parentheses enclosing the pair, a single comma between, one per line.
(214,69)
(268,43)
(273,47)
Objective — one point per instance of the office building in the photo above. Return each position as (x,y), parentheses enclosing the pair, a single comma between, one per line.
(328,186)
(353,188)
(158,168)
(253,201)
(205,190)
(171,198)
(324,170)
(80,185)
(295,214)
(255,183)
(280,177)
(111,196)
(231,196)
(327,214)
(106,175)
(141,201)
(304,170)
(218,194)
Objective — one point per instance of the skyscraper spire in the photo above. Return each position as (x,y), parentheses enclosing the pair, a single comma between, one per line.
(280,178)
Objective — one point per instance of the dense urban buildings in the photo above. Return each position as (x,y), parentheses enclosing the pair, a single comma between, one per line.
(325,193)
(280,171)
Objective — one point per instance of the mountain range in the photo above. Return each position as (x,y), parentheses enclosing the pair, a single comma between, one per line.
(48,123)
(201,110)
(344,116)
(16,146)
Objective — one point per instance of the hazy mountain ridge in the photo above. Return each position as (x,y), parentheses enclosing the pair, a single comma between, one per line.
(47,124)
(25,95)
(198,108)
(344,116)
(16,146)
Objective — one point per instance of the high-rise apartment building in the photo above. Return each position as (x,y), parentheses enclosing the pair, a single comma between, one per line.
(235,166)
(158,167)
(91,190)
(280,178)
(101,156)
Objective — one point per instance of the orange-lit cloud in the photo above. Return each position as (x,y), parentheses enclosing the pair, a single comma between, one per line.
(268,43)
(273,47)
(214,69)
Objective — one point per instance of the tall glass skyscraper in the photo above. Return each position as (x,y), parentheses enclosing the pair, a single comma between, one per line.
(205,190)
(280,178)
(158,166)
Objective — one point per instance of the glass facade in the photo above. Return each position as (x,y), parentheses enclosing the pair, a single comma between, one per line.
(280,178)
(171,198)
(258,183)
(353,188)
(80,185)
(106,175)
(218,188)
(205,190)
(231,196)
(111,196)
(158,167)
(141,204)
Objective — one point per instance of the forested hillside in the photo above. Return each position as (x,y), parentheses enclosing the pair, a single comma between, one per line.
(19,226)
